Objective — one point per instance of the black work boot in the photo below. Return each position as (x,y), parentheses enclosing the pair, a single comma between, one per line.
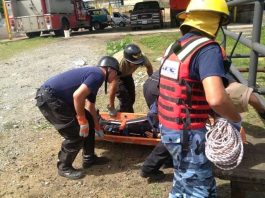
(71,173)
(168,163)
(154,175)
(89,160)
(64,165)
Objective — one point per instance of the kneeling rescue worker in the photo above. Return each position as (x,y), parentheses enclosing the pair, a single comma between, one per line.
(190,87)
(130,59)
(61,100)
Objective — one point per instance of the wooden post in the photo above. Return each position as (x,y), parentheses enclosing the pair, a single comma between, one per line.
(8,27)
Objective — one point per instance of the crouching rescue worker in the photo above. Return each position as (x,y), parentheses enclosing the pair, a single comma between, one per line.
(129,60)
(61,100)
(190,86)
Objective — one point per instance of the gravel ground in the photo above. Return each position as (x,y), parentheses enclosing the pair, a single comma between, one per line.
(29,146)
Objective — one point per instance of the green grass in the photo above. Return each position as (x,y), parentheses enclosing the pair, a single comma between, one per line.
(11,48)
(116,46)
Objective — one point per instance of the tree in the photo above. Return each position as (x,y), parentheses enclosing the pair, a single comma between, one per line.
(1,7)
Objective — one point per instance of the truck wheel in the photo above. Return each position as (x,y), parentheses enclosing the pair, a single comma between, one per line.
(97,26)
(65,26)
(161,25)
(122,24)
(75,29)
(32,34)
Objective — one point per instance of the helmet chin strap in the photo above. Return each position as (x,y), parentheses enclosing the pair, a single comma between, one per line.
(106,80)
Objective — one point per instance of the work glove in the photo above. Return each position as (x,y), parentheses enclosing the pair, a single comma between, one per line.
(99,132)
(84,127)
(112,110)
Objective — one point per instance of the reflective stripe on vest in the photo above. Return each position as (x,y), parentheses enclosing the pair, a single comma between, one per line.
(181,99)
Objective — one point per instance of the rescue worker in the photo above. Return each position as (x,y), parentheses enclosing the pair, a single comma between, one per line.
(130,59)
(190,85)
(61,100)
(241,96)
(160,154)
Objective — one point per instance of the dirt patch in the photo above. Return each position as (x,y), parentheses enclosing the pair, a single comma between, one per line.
(29,145)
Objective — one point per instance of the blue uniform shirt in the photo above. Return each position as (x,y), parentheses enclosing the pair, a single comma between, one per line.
(206,62)
(66,83)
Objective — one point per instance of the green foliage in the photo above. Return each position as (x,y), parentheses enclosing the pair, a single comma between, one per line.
(10,48)
(159,41)
(242,49)
(116,46)
(155,45)
(1,7)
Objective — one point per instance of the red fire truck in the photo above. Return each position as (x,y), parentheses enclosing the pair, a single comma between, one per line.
(34,17)
(177,6)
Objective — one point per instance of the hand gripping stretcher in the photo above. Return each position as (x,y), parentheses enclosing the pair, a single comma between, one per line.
(127,128)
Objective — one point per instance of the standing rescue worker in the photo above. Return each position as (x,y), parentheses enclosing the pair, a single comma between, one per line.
(61,100)
(190,86)
(130,59)
(240,94)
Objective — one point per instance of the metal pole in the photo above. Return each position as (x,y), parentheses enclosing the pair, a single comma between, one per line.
(8,27)
(256,32)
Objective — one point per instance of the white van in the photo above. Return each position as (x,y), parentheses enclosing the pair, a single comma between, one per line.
(119,19)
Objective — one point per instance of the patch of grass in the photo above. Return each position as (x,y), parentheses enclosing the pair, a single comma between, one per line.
(242,49)
(158,42)
(155,45)
(156,190)
(41,124)
(10,48)
(116,46)
(10,125)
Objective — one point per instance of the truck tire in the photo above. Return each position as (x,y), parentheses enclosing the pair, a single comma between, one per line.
(32,34)
(97,25)
(75,29)
(121,24)
(161,25)
(65,26)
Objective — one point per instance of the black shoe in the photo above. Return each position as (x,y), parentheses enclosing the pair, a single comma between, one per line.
(155,175)
(89,160)
(262,116)
(71,173)
(168,165)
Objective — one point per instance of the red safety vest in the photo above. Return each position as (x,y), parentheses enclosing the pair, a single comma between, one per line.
(181,102)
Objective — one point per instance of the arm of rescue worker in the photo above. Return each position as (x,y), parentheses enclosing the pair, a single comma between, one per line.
(149,67)
(112,92)
(79,98)
(218,99)
(92,109)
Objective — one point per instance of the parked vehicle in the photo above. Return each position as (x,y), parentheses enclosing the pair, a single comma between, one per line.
(100,18)
(34,17)
(146,14)
(119,19)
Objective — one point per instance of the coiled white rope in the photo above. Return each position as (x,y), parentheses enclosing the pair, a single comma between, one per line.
(224,146)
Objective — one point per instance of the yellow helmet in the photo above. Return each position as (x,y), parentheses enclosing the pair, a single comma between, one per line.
(218,6)
(205,15)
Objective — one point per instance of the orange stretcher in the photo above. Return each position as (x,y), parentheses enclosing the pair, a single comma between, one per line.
(122,119)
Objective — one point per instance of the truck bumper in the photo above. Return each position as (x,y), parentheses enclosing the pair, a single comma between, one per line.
(148,25)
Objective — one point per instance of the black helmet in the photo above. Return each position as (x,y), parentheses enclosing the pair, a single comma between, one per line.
(109,61)
(132,53)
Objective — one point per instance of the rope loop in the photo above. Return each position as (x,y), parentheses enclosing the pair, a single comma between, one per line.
(224,146)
